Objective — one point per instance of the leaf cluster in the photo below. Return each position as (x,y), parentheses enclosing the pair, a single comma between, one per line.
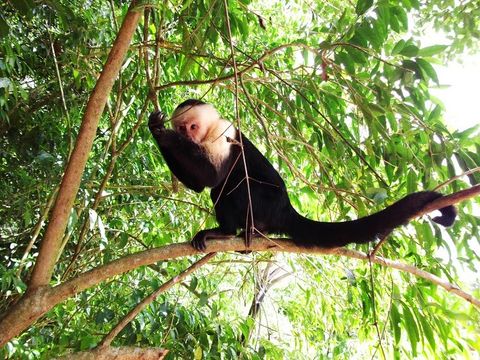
(337,97)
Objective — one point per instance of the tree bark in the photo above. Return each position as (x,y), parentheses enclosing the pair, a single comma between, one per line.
(30,308)
(38,301)
(51,244)
(118,353)
(34,302)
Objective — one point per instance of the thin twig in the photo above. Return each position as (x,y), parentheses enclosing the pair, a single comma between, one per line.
(62,94)
(249,67)
(456,177)
(36,231)
(356,150)
(378,246)
(454,289)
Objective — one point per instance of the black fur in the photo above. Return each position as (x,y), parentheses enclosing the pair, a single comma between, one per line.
(272,211)
(190,102)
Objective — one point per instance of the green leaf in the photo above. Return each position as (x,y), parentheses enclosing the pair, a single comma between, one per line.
(375,109)
(362,6)
(412,181)
(87,342)
(344,58)
(402,17)
(432,50)
(409,50)
(122,242)
(24,7)
(357,56)
(395,320)
(427,331)
(428,239)
(394,24)
(435,114)
(203,299)
(398,47)
(415,4)
(411,327)
(193,283)
(468,133)
(198,353)
(246,327)
(428,69)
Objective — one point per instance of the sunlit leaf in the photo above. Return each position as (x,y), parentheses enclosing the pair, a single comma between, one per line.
(362,6)
(432,50)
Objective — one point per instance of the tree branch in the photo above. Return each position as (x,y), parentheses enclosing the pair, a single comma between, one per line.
(118,353)
(412,270)
(450,199)
(51,244)
(37,302)
(232,75)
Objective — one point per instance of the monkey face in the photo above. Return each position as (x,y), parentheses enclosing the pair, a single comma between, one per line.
(192,129)
(195,122)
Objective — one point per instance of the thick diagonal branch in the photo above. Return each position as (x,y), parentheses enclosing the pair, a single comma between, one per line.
(51,243)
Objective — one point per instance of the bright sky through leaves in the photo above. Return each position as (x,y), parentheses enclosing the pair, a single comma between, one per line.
(461,96)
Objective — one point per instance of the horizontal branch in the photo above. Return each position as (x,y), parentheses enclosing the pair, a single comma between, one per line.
(35,303)
(231,76)
(118,353)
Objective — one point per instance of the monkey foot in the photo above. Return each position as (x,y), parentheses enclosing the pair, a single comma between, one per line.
(199,241)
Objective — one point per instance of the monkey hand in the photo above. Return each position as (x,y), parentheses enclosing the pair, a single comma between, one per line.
(156,122)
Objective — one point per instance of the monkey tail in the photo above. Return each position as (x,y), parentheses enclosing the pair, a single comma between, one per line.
(308,232)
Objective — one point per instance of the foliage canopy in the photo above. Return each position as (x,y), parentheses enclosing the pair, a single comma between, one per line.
(335,94)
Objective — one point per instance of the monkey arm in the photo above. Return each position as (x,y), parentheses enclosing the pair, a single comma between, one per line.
(186,160)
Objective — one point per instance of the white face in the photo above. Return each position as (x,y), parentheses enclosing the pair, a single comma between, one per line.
(195,122)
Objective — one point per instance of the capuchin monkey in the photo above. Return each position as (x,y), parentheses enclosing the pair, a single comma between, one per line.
(204,150)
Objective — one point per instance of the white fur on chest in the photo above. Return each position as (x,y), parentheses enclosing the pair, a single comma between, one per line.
(216,144)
